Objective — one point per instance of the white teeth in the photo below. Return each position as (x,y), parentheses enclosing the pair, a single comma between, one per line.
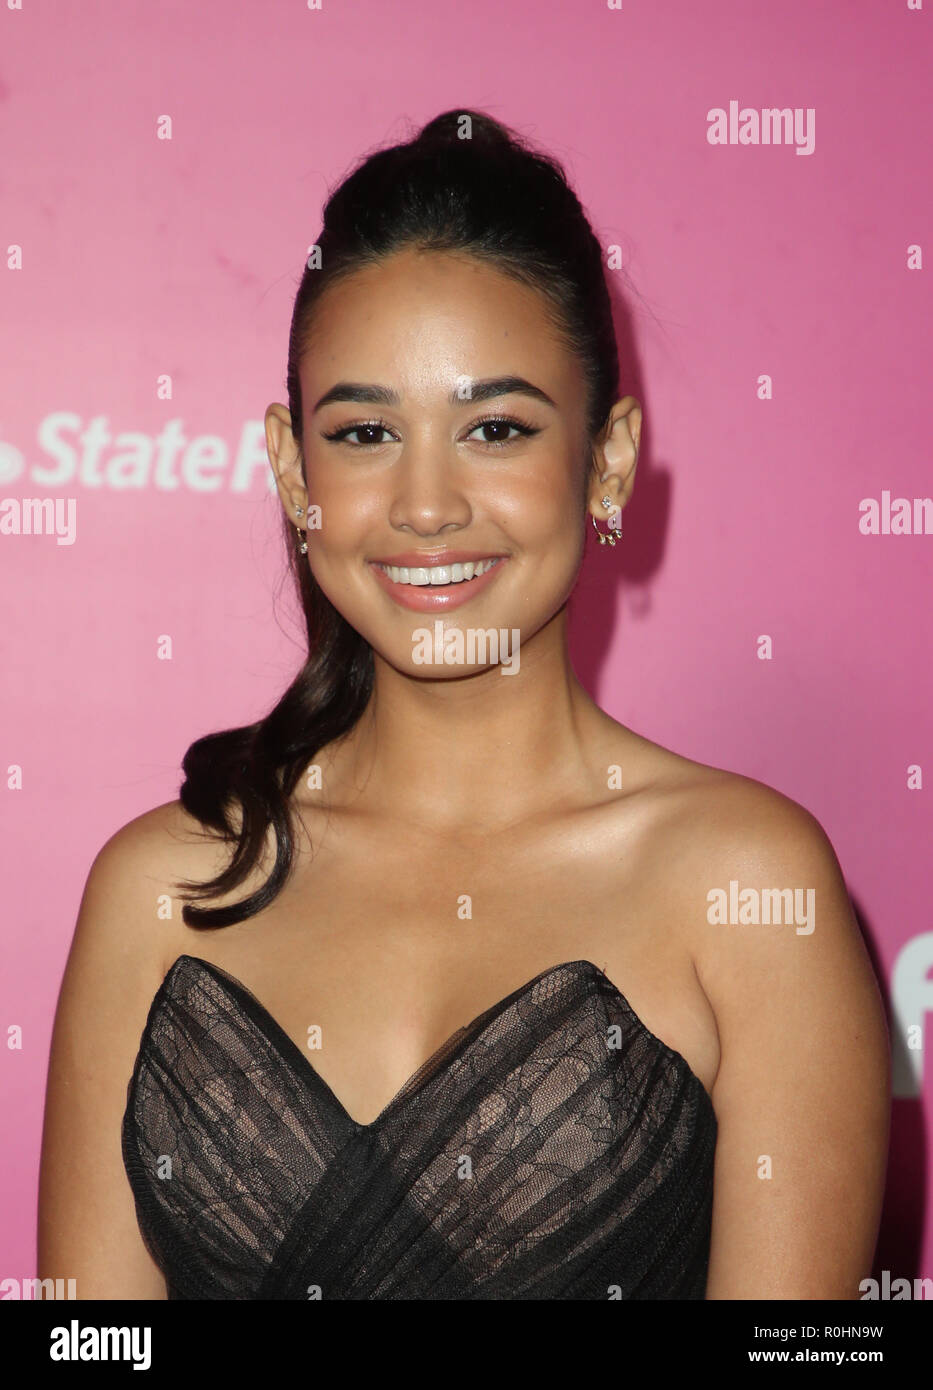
(439,574)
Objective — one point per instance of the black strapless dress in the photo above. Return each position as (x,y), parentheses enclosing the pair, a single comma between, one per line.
(552,1148)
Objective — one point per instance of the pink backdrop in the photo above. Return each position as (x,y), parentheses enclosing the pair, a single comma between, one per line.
(131,258)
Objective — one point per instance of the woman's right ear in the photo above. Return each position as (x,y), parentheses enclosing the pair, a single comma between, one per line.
(285,458)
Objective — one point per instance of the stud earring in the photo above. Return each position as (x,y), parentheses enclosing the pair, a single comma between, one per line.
(614,533)
(303,547)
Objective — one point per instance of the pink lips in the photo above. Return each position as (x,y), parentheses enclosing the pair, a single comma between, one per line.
(429,558)
(423,599)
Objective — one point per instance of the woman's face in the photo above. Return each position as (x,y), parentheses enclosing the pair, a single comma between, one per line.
(407,476)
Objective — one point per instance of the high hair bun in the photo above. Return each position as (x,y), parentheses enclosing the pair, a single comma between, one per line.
(463,127)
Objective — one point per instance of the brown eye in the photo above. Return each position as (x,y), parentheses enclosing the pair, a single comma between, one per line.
(366,430)
(497,431)
(500,425)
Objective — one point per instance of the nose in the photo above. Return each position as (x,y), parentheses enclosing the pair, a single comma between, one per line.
(429,493)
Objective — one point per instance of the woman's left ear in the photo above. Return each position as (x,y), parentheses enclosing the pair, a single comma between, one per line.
(615,455)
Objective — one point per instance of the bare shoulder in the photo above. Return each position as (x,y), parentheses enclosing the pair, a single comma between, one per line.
(123,937)
(162,838)
(741,853)
(802,1094)
(119,949)
(760,891)
(137,873)
(116,962)
(705,819)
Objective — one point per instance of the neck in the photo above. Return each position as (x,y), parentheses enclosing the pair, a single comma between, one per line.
(473,751)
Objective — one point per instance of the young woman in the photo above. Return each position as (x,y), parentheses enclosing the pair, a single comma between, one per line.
(448,1014)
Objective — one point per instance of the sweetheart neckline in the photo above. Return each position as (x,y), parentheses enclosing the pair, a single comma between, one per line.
(276,1034)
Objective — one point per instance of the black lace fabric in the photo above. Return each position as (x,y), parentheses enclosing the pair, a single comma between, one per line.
(551,1149)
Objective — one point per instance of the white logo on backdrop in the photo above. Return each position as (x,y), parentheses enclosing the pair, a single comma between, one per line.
(73,451)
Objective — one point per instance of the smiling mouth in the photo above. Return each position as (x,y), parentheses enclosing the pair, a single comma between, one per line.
(438,576)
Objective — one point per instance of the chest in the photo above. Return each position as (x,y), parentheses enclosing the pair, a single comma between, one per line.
(382,947)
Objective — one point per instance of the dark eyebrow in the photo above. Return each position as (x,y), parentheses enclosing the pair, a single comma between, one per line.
(480,391)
